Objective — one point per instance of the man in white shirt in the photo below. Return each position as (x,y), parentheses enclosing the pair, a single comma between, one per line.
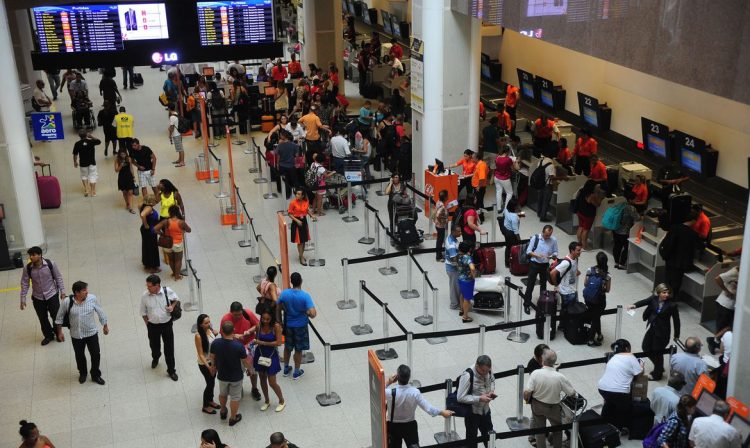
(689,363)
(565,278)
(727,281)
(476,387)
(339,151)
(543,392)
(41,98)
(175,136)
(713,431)
(664,399)
(402,401)
(157,304)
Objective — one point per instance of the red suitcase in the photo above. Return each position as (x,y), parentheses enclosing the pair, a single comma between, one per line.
(516,267)
(50,194)
(486,256)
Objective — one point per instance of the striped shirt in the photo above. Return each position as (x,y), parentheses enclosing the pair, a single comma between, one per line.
(82,321)
(46,281)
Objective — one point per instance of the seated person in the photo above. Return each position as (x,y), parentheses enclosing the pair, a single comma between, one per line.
(598,171)
(565,155)
(640,190)
(702,225)
(82,106)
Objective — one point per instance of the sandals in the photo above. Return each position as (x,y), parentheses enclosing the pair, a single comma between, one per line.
(223,414)
(212,411)
(235,420)
(280,407)
(215,406)
(467,320)
(303,262)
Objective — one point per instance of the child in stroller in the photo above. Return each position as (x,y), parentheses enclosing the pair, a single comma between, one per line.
(82,111)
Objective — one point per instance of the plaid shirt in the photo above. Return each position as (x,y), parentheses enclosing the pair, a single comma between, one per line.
(674,434)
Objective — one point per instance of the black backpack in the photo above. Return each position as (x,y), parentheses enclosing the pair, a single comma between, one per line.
(451,401)
(183,125)
(66,318)
(538,179)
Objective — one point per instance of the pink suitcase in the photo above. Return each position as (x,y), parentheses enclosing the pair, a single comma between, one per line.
(50,195)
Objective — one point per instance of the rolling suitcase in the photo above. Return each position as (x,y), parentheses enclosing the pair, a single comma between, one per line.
(679,208)
(137,79)
(546,304)
(641,419)
(597,436)
(267,105)
(266,123)
(487,261)
(488,301)
(574,324)
(50,194)
(516,267)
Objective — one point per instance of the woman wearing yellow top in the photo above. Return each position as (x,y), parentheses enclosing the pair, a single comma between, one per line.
(169,196)
(299,209)
(174,227)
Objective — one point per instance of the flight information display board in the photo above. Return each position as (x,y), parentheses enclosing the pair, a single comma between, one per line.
(236,22)
(655,138)
(78,28)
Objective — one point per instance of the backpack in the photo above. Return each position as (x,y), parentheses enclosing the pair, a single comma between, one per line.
(613,216)
(523,256)
(311,176)
(458,218)
(555,265)
(183,125)
(593,288)
(538,179)
(451,401)
(653,436)
(66,318)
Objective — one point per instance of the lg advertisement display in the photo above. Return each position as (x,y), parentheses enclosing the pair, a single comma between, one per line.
(143,21)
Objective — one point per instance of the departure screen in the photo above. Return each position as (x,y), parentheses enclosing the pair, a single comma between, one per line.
(236,22)
(690,159)
(547,98)
(656,145)
(69,29)
(527,89)
(589,116)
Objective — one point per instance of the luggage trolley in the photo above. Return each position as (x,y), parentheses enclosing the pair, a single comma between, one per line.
(338,197)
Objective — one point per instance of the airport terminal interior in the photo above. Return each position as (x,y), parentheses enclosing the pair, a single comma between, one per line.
(644,81)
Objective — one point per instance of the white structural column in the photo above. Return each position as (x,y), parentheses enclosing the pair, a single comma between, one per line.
(323,35)
(18,184)
(310,47)
(739,365)
(449,123)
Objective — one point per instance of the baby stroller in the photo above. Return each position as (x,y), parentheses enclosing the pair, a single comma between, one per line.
(83,112)
(338,197)
(405,232)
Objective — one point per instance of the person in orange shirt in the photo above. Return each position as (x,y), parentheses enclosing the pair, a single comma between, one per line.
(504,121)
(469,166)
(312,124)
(174,227)
(702,225)
(482,111)
(299,209)
(598,172)
(479,179)
(278,72)
(564,155)
(294,67)
(511,100)
(586,147)
(542,130)
(640,190)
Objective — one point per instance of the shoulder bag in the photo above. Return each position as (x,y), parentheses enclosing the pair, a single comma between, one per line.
(177,310)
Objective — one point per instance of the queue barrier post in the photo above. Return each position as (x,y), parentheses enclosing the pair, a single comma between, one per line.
(362,328)
(190,306)
(547,327)
(282,196)
(493,222)
(425,318)
(250,150)
(211,179)
(618,322)
(506,305)
(409,358)
(387,269)
(574,433)
(184,269)
(492,442)
(349,204)
(386,352)
(246,241)
(381,192)
(429,235)
(222,193)
(238,212)
(447,435)
(482,332)
(409,292)
(261,179)
(315,261)
(519,422)
(517,335)
(346,303)
(328,398)
(367,239)
(377,250)
(259,276)
(438,339)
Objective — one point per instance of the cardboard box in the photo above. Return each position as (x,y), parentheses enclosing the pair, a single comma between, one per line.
(639,388)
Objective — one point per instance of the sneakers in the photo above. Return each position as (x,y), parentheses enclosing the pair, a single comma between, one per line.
(287,370)
(255,393)
(297,374)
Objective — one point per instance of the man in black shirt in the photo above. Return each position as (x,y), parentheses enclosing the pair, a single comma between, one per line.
(287,151)
(491,136)
(84,157)
(145,162)
(678,249)
(670,177)
(108,90)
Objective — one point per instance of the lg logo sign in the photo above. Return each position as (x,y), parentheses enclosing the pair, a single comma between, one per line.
(159,58)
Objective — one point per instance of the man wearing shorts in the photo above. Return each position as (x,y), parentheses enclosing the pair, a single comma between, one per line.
(227,357)
(84,158)
(175,136)
(298,308)
(245,324)
(145,161)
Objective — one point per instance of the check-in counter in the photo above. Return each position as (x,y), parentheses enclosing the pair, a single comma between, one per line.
(565,193)
(643,254)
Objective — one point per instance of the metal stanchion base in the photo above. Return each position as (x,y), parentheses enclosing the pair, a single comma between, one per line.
(384,355)
(328,400)
(350,219)
(270,196)
(213,144)
(221,195)
(238,142)
(249,151)
(388,271)
(409,294)
(307,358)
(423,320)
(376,251)
(315,262)
(429,237)
(445,437)
(244,243)
(346,304)
(257,278)
(438,340)
(365,240)
(211,180)
(517,425)
(364,329)
(252,260)
(238,226)
(184,272)
(252,170)
(518,336)
(260,180)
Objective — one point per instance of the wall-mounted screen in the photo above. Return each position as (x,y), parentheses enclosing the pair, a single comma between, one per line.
(396,26)
(546,98)
(143,21)
(236,22)
(527,89)
(690,159)
(656,145)
(79,28)
(486,72)
(589,116)
(386,21)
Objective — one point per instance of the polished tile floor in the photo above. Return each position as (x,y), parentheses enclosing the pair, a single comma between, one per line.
(97,240)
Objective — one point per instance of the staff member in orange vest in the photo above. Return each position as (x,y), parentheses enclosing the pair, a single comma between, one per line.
(586,147)
(702,225)
(479,179)
(542,130)
(504,121)
(469,166)
(598,172)
(512,96)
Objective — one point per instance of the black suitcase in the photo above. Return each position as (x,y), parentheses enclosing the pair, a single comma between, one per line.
(546,304)
(267,105)
(576,331)
(679,207)
(597,436)
(137,79)
(613,180)
(407,233)
(641,419)
(488,300)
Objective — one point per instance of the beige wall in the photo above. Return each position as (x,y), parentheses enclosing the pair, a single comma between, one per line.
(722,122)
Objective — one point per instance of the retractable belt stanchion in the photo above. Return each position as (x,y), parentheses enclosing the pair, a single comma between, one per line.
(547,327)
(190,306)
(517,335)
(493,222)
(438,339)
(574,433)
(347,303)
(260,179)
(328,398)
(491,443)
(447,435)
(366,239)
(315,261)
(519,422)
(377,250)
(409,292)
(251,150)
(238,225)
(270,194)
(222,193)
(199,291)
(429,235)
(410,360)
(388,269)
(211,179)
(257,278)
(349,203)
(381,192)
(618,323)
(506,305)
(386,352)
(185,255)
(362,328)
(425,318)
(480,346)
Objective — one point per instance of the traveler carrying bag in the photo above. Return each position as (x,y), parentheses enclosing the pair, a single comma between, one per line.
(487,260)
(593,287)
(137,79)
(598,436)
(488,300)
(50,194)
(164,241)
(516,266)
(568,263)
(613,216)
(66,318)
(177,310)
(538,179)
(546,304)
(575,324)
(451,401)
(641,419)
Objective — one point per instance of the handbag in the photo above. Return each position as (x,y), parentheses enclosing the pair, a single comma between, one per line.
(177,310)
(163,100)
(165,241)
(299,161)
(264,361)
